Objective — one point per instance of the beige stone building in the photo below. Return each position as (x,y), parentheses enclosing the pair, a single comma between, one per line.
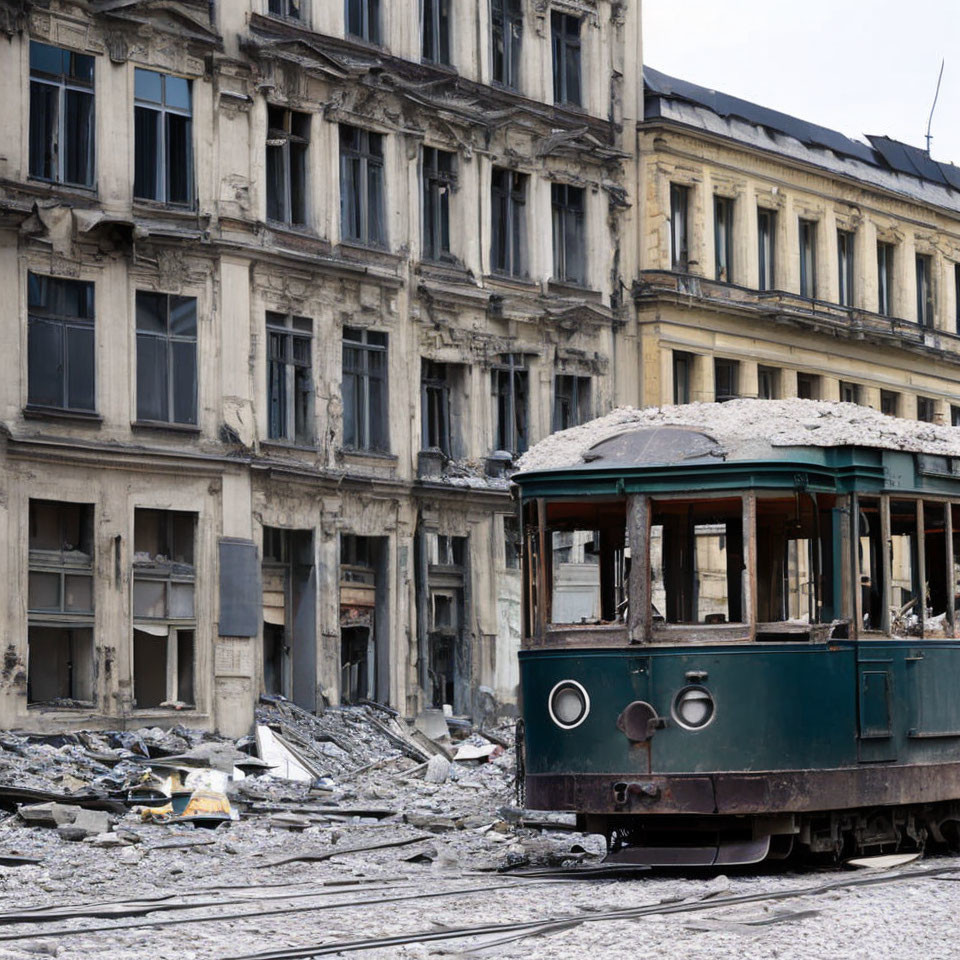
(286,284)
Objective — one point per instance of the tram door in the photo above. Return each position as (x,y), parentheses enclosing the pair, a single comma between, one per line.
(876,742)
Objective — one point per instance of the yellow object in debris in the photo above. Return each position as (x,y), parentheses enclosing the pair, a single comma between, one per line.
(206,802)
(148,813)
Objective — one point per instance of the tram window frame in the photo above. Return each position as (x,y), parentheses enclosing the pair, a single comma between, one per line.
(872,525)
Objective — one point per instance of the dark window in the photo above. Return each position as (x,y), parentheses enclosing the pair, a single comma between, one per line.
(510,388)
(439,179)
(808,386)
(726,377)
(511,542)
(571,401)
(435,30)
(845,267)
(508,195)
(565,34)
(954,416)
(569,242)
(60,343)
(679,248)
(926,409)
(507,24)
(682,376)
(808,258)
(723,237)
(361,186)
(768,383)
(365,390)
(924,290)
(766,237)
(956,297)
(62,129)
(288,139)
(849,392)
(435,411)
(61,561)
(890,403)
(166,358)
(289,378)
(363,19)
(885,279)
(162,138)
(286,8)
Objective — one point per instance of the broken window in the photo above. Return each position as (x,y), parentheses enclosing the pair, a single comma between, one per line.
(696,561)
(569,242)
(60,603)
(435,391)
(905,586)
(435,30)
(723,237)
(60,343)
(845,267)
(62,130)
(924,290)
(926,409)
(890,403)
(726,380)
(885,278)
(768,383)
(166,358)
(679,245)
(511,542)
(849,392)
(163,139)
(288,139)
(870,547)
(508,194)
(365,390)
(510,389)
(808,386)
(291,9)
(565,36)
(571,401)
(164,614)
(439,179)
(936,587)
(507,35)
(766,239)
(361,186)
(289,378)
(808,258)
(363,19)
(359,563)
(682,376)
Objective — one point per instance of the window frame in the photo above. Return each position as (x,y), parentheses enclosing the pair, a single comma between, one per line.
(440,37)
(568,208)
(370,28)
(578,395)
(506,23)
(508,238)
(285,140)
(770,375)
(807,248)
(567,48)
(733,367)
(510,382)
(682,360)
(846,244)
(291,330)
(359,339)
(437,186)
(679,224)
(885,277)
(723,224)
(926,312)
(298,16)
(435,406)
(362,153)
(890,403)
(766,248)
(164,162)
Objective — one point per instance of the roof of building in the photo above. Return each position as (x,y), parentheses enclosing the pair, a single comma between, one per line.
(669,98)
(736,430)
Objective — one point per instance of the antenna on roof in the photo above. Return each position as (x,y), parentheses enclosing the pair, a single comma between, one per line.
(934,107)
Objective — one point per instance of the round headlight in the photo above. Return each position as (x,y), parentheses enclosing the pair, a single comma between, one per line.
(568,704)
(693,708)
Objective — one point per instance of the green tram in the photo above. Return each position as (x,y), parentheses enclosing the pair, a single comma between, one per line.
(733,648)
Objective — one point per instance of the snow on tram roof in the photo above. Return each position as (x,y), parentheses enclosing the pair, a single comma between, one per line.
(748,429)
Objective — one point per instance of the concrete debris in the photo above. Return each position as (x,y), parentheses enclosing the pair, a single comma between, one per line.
(86,823)
(438,769)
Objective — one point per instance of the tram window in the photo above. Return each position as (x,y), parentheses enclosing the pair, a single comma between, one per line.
(870,553)
(576,576)
(955,578)
(696,561)
(904,570)
(935,569)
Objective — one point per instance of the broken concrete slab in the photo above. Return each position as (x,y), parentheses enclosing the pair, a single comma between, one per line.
(438,769)
(48,814)
(87,823)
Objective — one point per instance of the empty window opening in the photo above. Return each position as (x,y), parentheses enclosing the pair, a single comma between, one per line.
(682,376)
(956,298)
(808,386)
(696,561)
(508,196)
(726,380)
(62,129)
(885,278)
(511,542)
(447,657)
(435,406)
(60,666)
(926,409)
(905,587)
(291,9)
(565,37)
(361,186)
(61,360)
(166,358)
(510,380)
(890,403)
(849,392)
(163,145)
(845,267)
(679,238)
(768,383)
(363,19)
(435,30)
(507,40)
(439,181)
(290,378)
(288,140)
(588,566)
(363,673)
(808,258)
(723,238)
(571,401)
(954,415)
(766,239)
(365,420)
(924,290)
(936,583)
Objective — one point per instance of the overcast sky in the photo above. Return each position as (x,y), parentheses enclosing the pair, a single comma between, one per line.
(857,66)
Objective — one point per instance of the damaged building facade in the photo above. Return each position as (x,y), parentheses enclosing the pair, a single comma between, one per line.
(289,284)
